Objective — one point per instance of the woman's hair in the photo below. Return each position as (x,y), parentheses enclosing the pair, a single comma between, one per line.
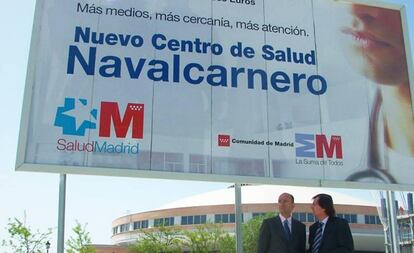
(325,202)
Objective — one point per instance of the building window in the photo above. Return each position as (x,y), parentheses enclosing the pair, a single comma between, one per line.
(226,218)
(124,228)
(300,216)
(304,217)
(217,218)
(254,215)
(311,217)
(115,230)
(184,220)
(351,218)
(372,219)
(168,221)
(196,219)
(137,225)
(144,224)
(140,224)
(232,218)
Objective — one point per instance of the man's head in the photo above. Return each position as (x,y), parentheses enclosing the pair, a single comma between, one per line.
(323,206)
(286,204)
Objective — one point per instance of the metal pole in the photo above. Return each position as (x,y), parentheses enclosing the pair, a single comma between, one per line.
(412,232)
(390,228)
(61,216)
(395,243)
(238,204)
(385,215)
(386,243)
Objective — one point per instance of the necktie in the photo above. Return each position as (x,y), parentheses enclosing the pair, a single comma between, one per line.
(287,229)
(318,239)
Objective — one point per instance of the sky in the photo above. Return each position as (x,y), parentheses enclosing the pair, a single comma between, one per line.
(96,200)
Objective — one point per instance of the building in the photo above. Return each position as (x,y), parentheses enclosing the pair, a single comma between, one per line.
(218,207)
(406,232)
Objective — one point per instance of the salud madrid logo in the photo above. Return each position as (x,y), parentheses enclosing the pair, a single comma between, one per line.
(75,117)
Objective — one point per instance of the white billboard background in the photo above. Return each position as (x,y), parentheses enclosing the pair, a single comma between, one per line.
(182,121)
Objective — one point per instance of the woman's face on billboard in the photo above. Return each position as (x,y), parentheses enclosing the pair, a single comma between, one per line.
(377,40)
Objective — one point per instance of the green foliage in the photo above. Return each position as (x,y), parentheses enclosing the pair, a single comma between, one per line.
(209,238)
(251,230)
(161,239)
(78,243)
(227,243)
(206,238)
(23,239)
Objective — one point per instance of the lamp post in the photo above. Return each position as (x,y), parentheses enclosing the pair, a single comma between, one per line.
(47,246)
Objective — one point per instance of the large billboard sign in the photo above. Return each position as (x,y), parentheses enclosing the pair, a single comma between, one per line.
(262,91)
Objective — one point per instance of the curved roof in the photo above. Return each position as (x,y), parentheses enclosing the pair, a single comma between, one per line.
(263,194)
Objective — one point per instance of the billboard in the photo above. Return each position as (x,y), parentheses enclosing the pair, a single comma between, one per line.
(262,91)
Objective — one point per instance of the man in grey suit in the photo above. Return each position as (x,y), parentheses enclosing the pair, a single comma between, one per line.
(282,234)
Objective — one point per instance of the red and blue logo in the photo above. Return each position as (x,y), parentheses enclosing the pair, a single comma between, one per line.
(318,146)
(75,116)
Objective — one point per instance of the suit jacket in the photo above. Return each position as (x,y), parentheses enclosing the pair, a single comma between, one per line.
(272,238)
(336,238)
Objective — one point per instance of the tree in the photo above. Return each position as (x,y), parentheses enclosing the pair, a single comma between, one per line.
(206,238)
(78,243)
(161,239)
(209,238)
(251,230)
(227,243)
(23,239)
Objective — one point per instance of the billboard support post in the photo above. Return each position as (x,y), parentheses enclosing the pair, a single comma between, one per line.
(238,211)
(393,226)
(61,215)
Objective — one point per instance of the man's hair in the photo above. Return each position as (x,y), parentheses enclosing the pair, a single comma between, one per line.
(325,201)
(290,196)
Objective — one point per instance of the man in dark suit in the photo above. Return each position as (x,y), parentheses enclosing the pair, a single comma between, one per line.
(330,234)
(282,234)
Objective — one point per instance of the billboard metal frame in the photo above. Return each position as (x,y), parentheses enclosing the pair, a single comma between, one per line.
(61,169)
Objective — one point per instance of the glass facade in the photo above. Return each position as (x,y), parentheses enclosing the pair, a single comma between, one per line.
(140,224)
(226,218)
(124,228)
(168,221)
(351,218)
(196,219)
(372,219)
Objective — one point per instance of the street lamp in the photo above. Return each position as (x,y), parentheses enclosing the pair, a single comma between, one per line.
(47,246)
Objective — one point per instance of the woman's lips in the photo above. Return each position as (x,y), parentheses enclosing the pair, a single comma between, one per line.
(366,40)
